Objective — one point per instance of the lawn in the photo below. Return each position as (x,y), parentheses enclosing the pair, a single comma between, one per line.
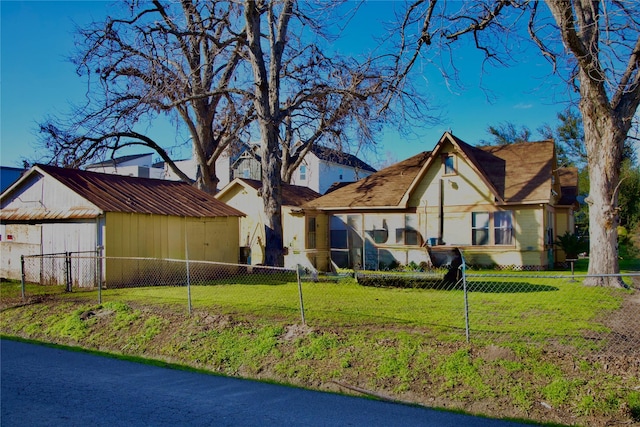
(518,305)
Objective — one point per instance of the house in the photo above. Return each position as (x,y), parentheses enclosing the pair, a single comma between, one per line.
(142,165)
(56,210)
(138,165)
(244,194)
(321,168)
(501,205)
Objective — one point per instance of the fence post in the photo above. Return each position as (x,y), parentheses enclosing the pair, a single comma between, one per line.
(99,272)
(22,275)
(466,299)
(304,322)
(67,262)
(188,288)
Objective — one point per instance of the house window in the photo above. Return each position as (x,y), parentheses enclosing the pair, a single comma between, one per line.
(409,235)
(311,233)
(338,234)
(303,172)
(346,240)
(503,227)
(480,228)
(449,164)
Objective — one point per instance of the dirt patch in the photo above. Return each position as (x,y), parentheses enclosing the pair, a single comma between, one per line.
(293,332)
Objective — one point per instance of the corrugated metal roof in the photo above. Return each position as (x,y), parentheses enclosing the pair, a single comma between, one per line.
(115,193)
(45,214)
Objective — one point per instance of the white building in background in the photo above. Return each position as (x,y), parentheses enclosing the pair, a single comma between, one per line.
(137,165)
(142,166)
(321,169)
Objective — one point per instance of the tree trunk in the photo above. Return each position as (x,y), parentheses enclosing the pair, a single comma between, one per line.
(272,197)
(603,140)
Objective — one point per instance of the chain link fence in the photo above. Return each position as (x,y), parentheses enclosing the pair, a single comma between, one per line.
(449,304)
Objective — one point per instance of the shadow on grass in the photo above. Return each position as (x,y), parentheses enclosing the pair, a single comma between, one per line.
(381,281)
(508,288)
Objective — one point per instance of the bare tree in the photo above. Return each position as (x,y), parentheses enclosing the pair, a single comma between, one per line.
(593,45)
(304,96)
(229,72)
(179,60)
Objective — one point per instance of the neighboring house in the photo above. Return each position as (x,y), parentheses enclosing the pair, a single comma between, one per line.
(140,165)
(321,168)
(190,168)
(244,195)
(501,205)
(9,175)
(54,210)
(137,165)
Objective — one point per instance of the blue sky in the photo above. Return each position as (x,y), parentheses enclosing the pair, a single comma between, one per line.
(38,81)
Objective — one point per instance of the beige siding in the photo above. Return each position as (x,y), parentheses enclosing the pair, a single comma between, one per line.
(463,188)
(154,236)
(251,232)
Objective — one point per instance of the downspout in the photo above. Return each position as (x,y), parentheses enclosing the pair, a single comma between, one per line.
(441,213)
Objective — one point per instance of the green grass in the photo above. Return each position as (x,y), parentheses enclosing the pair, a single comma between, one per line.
(399,342)
(534,307)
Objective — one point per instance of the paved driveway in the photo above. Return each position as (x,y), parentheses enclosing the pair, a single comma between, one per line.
(43,386)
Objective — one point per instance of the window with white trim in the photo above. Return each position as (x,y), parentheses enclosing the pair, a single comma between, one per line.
(503,227)
(479,228)
(449,161)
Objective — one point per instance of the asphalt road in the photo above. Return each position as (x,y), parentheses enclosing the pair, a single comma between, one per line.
(43,386)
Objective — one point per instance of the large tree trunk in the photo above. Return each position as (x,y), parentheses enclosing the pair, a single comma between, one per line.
(604,140)
(272,198)
(606,121)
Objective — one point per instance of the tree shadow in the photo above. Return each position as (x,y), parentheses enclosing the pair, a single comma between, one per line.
(508,287)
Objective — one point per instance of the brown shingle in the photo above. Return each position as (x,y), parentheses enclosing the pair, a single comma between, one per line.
(384,188)
(116,193)
(568,185)
(520,172)
(292,195)
(517,173)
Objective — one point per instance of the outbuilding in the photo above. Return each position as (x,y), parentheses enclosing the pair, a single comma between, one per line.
(58,210)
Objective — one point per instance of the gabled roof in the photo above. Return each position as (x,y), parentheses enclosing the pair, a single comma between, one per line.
(116,193)
(518,173)
(292,195)
(323,153)
(515,174)
(330,155)
(568,185)
(117,160)
(384,188)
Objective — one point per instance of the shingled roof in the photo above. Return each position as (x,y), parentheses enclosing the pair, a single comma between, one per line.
(384,188)
(568,185)
(292,195)
(516,173)
(116,193)
(335,156)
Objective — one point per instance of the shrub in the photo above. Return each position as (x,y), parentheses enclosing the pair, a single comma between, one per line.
(572,244)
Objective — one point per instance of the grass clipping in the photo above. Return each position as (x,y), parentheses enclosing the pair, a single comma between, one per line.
(413,365)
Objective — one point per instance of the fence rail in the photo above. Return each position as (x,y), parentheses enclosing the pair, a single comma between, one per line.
(486,308)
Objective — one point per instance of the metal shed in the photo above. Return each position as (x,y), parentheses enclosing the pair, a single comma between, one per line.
(57,210)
